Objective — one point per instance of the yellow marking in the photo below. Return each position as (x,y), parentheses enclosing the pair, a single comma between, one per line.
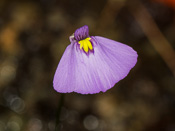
(89,45)
(85,44)
(81,45)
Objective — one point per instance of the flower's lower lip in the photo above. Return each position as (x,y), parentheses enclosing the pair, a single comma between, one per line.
(89,73)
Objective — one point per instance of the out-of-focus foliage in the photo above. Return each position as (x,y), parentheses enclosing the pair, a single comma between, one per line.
(33,37)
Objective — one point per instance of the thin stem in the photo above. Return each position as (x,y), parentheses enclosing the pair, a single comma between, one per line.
(60,104)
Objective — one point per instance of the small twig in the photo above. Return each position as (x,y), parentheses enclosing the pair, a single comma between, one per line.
(151,30)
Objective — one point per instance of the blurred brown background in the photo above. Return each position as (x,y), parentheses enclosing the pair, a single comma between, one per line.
(33,37)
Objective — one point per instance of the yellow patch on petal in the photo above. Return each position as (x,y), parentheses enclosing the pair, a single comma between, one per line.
(85,44)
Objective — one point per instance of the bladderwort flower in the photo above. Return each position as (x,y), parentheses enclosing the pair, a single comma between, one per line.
(91,64)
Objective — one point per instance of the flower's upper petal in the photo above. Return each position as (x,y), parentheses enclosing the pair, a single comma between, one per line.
(82,33)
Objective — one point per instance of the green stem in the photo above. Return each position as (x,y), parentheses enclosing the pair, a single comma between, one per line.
(60,104)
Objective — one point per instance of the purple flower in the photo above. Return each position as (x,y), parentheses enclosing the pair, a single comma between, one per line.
(91,64)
